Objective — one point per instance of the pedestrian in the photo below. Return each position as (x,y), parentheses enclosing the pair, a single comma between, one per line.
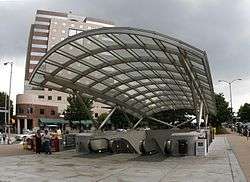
(4,138)
(38,140)
(47,142)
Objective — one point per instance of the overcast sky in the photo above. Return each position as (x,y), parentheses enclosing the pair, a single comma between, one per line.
(221,27)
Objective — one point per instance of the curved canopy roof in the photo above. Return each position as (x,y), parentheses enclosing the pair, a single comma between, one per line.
(143,72)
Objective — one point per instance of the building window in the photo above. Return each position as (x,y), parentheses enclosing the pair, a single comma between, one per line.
(96,115)
(20,110)
(59,98)
(72,32)
(40,96)
(30,110)
(41,111)
(50,97)
(52,112)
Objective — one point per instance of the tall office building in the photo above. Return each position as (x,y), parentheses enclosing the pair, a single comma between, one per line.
(49,29)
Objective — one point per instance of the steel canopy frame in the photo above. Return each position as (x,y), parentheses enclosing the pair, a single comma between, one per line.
(141,71)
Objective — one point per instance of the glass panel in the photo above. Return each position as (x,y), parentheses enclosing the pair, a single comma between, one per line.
(155,98)
(112,92)
(146,40)
(157,80)
(148,72)
(141,89)
(92,61)
(134,74)
(110,81)
(152,105)
(53,85)
(145,81)
(71,50)
(137,64)
(123,53)
(162,86)
(105,40)
(107,56)
(48,68)
(153,64)
(170,46)
(78,66)
(159,54)
(66,74)
(131,92)
(122,66)
(147,101)
(85,81)
(138,105)
(131,102)
(55,57)
(38,78)
(141,52)
(122,77)
(90,45)
(123,87)
(140,97)
(99,86)
(125,38)
(149,94)
(97,74)
(152,86)
(109,70)
(134,83)
(122,97)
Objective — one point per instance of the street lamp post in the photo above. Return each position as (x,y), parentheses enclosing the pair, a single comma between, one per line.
(230,91)
(11,65)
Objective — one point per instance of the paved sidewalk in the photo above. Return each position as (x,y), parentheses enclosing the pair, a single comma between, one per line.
(12,150)
(241,148)
(220,165)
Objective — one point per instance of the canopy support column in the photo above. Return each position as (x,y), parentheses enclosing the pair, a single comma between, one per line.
(107,118)
(200,115)
(160,121)
(206,120)
(138,122)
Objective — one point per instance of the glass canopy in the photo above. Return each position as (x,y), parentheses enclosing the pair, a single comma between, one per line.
(141,71)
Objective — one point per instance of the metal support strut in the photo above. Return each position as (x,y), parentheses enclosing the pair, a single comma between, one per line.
(107,118)
(138,122)
(159,121)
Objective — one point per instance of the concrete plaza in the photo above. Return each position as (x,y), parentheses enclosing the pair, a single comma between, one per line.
(219,165)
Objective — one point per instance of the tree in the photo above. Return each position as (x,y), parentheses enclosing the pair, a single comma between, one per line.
(2,105)
(77,110)
(223,111)
(244,113)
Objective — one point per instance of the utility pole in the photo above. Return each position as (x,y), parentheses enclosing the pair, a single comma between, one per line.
(9,105)
(230,91)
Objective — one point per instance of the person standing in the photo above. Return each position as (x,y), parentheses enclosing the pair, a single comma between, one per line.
(47,142)
(4,138)
(38,140)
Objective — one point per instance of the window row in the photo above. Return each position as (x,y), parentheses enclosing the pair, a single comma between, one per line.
(49,97)
(29,110)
